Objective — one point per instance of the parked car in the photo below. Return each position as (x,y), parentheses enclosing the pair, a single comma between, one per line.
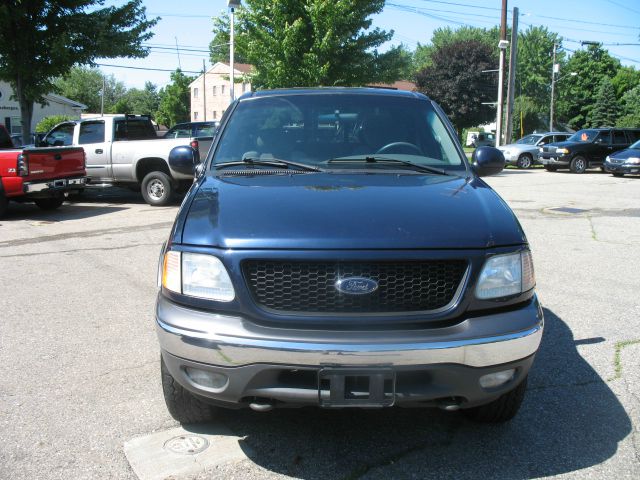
(124,150)
(587,148)
(624,161)
(40,175)
(484,140)
(338,250)
(199,134)
(524,153)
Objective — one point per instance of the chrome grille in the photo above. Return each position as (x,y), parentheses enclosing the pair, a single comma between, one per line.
(404,286)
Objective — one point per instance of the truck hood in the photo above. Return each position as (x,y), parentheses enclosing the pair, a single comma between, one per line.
(347,211)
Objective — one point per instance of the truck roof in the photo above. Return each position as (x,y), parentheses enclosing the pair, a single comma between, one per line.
(333,90)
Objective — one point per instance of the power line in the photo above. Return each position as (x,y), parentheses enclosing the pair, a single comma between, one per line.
(623,6)
(145,68)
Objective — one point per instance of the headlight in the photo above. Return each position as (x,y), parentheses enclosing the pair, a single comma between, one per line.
(505,275)
(608,159)
(564,151)
(197,275)
(633,161)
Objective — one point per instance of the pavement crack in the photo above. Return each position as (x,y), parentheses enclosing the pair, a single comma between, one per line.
(126,369)
(96,249)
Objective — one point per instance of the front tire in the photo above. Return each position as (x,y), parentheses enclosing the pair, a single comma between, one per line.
(157,189)
(578,164)
(49,203)
(182,404)
(618,174)
(524,161)
(502,409)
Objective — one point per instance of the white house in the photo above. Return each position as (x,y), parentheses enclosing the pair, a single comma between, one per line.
(210,92)
(57,105)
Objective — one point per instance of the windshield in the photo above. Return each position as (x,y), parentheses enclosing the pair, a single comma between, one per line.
(530,139)
(314,128)
(635,145)
(584,136)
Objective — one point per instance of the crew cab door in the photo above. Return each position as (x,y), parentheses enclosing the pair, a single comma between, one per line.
(91,136)
(601,148)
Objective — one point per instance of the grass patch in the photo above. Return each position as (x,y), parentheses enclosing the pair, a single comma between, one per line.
(617,361)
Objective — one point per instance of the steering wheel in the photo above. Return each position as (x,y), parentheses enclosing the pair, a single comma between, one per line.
(391,146)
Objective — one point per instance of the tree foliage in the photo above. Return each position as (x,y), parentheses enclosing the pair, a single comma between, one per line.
(575,94)
(294,43)
(144,101)
(631,109)
(42,39)
(455,80)
(47,123)
(175,100)
(219,46)
(606,110)
(84,85)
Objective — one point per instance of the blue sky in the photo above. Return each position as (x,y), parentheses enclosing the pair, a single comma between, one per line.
(612,22)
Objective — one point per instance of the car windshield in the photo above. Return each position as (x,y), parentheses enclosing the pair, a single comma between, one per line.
(529,139)
(584,136)
(314,128)
(635,145)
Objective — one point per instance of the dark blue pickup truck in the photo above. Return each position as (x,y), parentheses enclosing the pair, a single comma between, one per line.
(338,250)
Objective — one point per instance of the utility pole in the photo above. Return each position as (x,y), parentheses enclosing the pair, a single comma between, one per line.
(178,52)
(204,89)
(502,45)
(553,86)
(511,85)
(102,99)
(232,4)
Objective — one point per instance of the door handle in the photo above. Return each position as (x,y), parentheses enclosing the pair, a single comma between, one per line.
(99,150)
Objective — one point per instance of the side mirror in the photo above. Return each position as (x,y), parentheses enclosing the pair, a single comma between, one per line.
(183,159)
(199,169)
(487,161)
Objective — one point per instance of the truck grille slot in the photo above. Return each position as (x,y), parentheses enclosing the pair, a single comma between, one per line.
(403,286)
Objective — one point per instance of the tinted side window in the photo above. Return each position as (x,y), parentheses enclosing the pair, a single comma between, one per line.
(134,129)
(204,131)
(546,139)
(634,135)
(619,137)
(560,138)
(91,132)
(61,136)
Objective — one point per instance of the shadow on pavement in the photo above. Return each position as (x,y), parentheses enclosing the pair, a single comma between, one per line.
(68,211)
(570,420)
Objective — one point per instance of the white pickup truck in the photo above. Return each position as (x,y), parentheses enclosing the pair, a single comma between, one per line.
(126,151)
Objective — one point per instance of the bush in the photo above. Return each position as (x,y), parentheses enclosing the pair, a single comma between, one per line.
(47,123)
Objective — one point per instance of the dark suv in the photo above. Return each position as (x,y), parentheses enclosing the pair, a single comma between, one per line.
(587,148)
(338,250)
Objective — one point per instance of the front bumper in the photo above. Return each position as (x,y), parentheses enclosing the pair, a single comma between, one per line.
(621,168)
(282,364)
(59,185)
(558,161)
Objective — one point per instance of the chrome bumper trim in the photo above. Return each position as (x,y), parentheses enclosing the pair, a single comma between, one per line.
(233,341)
(59,184)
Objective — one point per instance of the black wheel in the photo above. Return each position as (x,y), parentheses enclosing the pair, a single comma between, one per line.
(550,168)
(618,174)
(49,203)
(578,164)
(3,204)
(502,409)
(157,189)
(182,405)
(524,161)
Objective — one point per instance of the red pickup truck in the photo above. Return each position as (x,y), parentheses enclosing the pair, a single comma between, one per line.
(41,175)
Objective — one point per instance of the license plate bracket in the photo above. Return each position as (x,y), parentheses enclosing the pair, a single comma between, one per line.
(345,387)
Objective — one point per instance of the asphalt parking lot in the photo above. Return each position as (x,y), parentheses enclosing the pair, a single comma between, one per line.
(79,361)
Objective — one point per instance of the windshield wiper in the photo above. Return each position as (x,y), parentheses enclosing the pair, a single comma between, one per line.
(271,162)
(382,160)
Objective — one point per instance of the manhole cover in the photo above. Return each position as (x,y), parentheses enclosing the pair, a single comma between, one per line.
(568,210)
(187,444)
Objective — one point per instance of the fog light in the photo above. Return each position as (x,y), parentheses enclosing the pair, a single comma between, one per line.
(496,379)
(204,378)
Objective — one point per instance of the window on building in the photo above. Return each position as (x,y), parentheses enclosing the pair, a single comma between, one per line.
(222,90)
(195,115)
(214,90)
(195,93)
(16,125)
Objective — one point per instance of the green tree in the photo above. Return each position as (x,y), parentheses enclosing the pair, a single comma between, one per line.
(175,100)
(533,72)
(47,123)
(84,85)
(42,39)
(575,94)
(606,110)
(455,80)
(219,46)
(143,102)
(626,79)
(314,42)
(630,109)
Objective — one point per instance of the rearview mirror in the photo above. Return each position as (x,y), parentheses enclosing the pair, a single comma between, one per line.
(487,161)
(183,159)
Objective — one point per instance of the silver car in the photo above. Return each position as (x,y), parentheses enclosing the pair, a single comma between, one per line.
(524,153)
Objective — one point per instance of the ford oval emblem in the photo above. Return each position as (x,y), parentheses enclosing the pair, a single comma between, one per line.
(356,285)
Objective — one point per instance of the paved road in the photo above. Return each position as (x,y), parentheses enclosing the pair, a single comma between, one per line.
(79,358)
